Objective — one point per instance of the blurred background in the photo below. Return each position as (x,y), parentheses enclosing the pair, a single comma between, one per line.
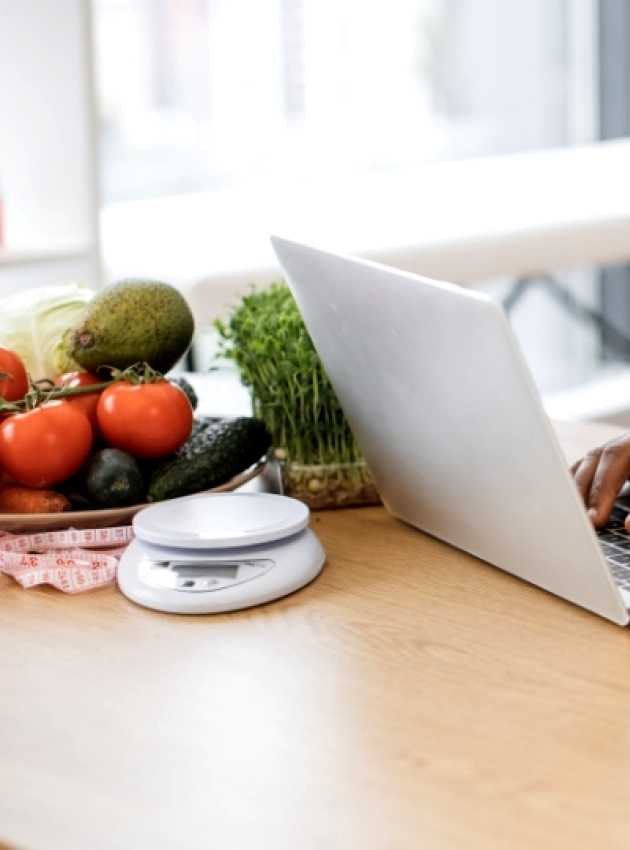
(480,141)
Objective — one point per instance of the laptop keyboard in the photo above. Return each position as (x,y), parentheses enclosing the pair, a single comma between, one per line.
(615,543)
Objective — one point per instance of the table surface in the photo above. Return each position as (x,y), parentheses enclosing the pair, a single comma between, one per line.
(411,697)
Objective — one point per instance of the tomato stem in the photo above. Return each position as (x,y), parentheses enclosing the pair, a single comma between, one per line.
(42,391)
(139,373)
(67,392)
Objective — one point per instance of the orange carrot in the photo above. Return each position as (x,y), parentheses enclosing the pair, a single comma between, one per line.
(26,500)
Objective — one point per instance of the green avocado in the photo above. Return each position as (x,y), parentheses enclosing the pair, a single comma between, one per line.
(113,478)
(130,322)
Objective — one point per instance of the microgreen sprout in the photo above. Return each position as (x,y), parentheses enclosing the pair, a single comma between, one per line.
(266,338)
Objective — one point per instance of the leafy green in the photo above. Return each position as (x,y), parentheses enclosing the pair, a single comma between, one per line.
(268,341)
(33,322)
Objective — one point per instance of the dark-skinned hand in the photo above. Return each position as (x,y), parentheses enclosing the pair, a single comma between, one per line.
(600,475)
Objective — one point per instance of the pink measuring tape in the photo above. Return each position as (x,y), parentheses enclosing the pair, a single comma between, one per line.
(73,560)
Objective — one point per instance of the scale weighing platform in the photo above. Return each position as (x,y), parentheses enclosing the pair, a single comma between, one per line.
(216,552)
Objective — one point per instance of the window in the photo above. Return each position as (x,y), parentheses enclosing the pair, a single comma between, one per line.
(196,94)
(213,107)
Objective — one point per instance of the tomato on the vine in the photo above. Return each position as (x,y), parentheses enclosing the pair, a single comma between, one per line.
(46,445)
(88,402)
(146,420)
(13,377)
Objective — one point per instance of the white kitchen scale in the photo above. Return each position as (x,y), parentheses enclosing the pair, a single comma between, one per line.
(216,552)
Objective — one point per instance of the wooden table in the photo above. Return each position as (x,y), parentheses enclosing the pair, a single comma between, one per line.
(412,698)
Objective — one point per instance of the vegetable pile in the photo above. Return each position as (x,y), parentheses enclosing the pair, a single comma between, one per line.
(120,433)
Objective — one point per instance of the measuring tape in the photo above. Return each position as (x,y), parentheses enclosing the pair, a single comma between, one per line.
(73,560)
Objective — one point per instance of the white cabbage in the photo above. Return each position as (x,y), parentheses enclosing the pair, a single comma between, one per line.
(33,322)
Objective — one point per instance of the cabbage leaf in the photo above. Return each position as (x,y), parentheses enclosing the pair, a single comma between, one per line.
(33,322)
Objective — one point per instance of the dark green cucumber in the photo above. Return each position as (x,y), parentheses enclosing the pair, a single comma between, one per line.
(215,452)
(113,479)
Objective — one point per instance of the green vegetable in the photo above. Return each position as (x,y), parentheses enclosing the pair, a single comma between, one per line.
(74,490)
(215,452)
(113,479)
(129,322)
(291,392)
(33,322)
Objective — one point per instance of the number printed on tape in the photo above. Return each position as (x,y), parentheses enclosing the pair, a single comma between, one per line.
(67,559)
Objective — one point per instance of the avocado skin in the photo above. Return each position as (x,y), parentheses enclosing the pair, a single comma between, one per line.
(113,479)
(74,489)
(215,452)
(130,322)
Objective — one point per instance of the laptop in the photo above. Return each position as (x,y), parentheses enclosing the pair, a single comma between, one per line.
(439,396)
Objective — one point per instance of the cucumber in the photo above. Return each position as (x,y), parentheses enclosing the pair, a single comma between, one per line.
(113,479)
(215,452)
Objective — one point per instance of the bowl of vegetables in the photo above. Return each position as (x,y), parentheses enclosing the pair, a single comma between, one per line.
(90,447)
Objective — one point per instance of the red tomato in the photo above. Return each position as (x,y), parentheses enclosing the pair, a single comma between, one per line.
(46,445)
(88,402)
(146,420)
(14,386)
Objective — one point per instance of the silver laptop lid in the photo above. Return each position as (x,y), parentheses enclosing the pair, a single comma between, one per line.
(437,392)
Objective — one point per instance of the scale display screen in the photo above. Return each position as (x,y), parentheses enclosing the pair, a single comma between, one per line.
(215,570)
(201,576)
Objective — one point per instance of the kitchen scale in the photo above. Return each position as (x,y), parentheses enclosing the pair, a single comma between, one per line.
(216,552)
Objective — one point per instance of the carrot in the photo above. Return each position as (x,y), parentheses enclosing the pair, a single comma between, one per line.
(26,500)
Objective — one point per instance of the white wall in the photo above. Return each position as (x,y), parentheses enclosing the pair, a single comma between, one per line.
(47,152)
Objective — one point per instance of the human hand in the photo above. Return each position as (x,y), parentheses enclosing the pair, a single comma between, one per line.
(600,475)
